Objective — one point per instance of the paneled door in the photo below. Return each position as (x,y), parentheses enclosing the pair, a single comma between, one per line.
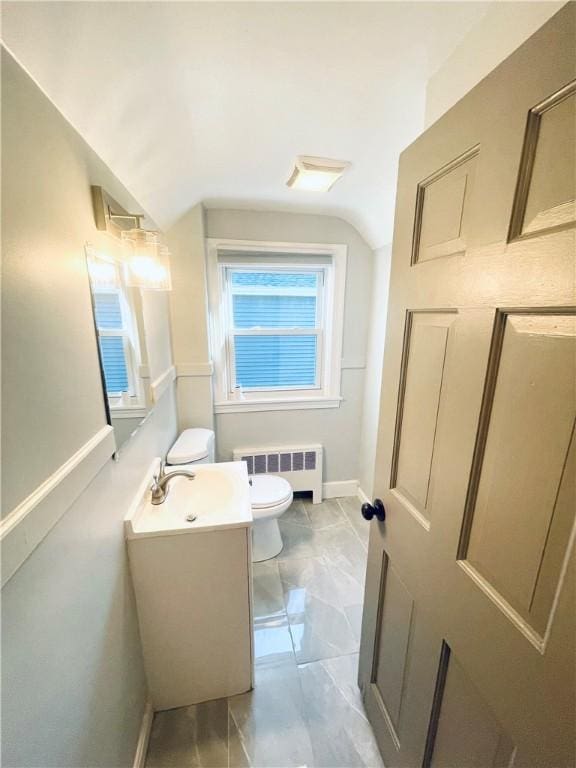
(467,655)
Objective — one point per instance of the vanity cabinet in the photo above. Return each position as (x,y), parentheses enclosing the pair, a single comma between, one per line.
(194,601)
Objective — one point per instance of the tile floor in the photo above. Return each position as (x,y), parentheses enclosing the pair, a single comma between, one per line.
(305,709)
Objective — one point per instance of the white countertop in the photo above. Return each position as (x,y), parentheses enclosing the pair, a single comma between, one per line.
(219,496)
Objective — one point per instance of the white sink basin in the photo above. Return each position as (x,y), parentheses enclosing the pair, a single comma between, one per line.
(218,496)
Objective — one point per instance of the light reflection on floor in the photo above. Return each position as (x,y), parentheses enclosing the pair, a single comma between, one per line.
(305,709)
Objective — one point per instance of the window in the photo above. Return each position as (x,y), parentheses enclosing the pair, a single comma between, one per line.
(113,341)
(116,312)
(276,325)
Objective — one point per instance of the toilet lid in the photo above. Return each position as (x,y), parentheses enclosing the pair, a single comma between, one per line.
(268,490)
(192,445)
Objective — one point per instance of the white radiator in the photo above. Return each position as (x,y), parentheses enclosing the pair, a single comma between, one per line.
(301,466)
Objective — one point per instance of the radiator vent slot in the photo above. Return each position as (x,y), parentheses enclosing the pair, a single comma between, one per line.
(273,462)
(297,462)
(310,460)
(285,462)
(260,464)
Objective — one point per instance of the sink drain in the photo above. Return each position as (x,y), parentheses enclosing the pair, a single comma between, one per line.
(190,518)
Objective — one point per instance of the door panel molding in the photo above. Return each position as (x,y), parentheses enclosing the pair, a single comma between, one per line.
(420,392)
(393,645)
(457,193)
(463,731)
(443,662)
(532,356)
(563,215)
(375,654)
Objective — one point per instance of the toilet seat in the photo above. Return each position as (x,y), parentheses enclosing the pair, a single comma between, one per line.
(267,492)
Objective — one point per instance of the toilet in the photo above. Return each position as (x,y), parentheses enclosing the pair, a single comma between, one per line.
(270,495)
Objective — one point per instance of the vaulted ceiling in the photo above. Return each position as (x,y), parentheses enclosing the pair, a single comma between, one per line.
(197,101)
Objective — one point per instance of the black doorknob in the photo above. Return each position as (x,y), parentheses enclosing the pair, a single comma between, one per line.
(377,509)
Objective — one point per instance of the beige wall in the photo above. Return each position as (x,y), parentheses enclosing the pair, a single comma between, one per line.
(189,319)
(337,429)
(73,684)
(374,359)
(156,315)
(504,27)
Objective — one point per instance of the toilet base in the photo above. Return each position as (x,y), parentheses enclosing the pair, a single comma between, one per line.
(266,540)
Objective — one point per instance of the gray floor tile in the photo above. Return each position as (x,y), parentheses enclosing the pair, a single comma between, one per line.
(324,515)
(299,541)
(190,737)
(339,730)
(237,751)
(267,589)
(321,632)
(319,578)
(354,616)
(315,594)
(296,513)
(342,549)
(271,721)
(272,640)
(350,505)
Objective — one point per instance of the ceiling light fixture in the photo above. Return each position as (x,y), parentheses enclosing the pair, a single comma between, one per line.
(316,174)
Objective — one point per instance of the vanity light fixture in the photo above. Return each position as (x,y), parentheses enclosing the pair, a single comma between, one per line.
(146,261)
(316,174)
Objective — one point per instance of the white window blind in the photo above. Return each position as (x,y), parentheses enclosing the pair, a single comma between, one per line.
(112,340)
(275,334)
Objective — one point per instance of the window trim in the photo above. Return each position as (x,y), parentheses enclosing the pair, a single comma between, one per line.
(129,333)
(327,395)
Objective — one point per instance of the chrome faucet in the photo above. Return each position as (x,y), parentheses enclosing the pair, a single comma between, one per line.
(160,483)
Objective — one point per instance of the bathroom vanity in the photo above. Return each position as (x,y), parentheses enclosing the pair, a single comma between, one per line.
(190,559)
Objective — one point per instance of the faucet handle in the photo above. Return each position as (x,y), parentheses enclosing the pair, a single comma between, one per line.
(162,470)
(159,475)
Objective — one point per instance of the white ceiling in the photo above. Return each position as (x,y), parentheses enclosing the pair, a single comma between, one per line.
(212,101)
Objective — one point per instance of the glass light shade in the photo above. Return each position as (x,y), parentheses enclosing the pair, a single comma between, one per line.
(146,261)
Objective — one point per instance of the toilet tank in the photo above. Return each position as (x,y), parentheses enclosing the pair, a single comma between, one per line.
(193,446)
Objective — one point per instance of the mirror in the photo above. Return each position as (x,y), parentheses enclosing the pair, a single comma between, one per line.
(118,320)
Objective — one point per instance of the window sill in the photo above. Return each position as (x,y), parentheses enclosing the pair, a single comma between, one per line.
(127,411)
(285,404)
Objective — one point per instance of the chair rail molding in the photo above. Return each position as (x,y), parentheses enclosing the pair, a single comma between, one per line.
(193,370)
(22,530)
(161,384)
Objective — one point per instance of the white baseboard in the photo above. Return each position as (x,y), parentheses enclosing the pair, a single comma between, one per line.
(339,488)
(144,736)
(362,496)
